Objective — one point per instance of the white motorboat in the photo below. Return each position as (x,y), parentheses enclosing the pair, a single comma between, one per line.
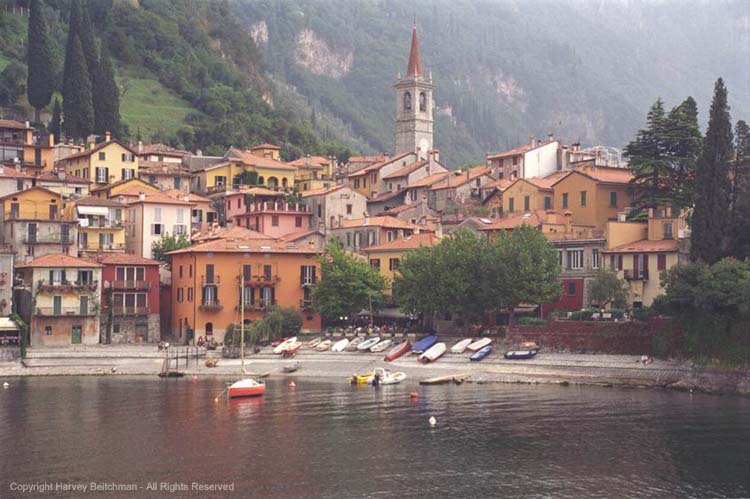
(386,377)
(381,345)
(434,353)
(368,344)
(460,347)
(340,345)
(479,344)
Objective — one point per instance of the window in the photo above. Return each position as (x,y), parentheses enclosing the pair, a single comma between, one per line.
(565,200)
(179,295)
(613,199)
(575,259)
(515,160)
(393,264)
(348,239)
(64,233)
(615,261)
(246,272)
(595,258)
(157,214)
(307,274)
(267,270)
(128,173)
(356,183)
(19,184)
(48,330)
(14,210)
(348,209)
(661,262)
(179,229)
(422,102)
(127,157)
(157,229)
(560,258)
(152,179)
(102,156)
(357,239)
(220,181)
(267,296)
(190,294)
(52,211)
(209,273)
(583,198)
(375,263)
(526,203)
(511,205)
(667,230)
(320,211)
(190,270)
(179,271)
(275,220)
(407,101)
(547,202)
(102,174)
(298,221)
(571,288)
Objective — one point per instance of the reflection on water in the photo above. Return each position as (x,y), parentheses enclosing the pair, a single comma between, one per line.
(324,439)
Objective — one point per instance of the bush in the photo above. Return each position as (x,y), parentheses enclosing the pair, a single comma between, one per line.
(617,313)
(643,313)
(583,315)
(532,321)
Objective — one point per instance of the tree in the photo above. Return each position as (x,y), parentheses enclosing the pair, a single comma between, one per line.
(55,126)
(607,288)
(647,160)
(167,243)
(713,188)
(40,83)
(106,98)
(88,42)
(12,84)
(348,284)
(77,99)
(740,198)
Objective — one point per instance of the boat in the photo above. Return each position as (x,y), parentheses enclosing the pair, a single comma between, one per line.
(352,347)
(284,344)
(529,345)
(314,343)
(291,349)
(460,347)
(481,354)
(247,387)
(386,377)
(367,344)
(520,354)
(381,345)
(442,380)
(424,344)
(340,345)
(398,351)
(479,344)
(323,346)
(433,353)
(361,379)
(290,368)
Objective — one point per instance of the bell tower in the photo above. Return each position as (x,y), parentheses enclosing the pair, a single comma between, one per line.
(414,106)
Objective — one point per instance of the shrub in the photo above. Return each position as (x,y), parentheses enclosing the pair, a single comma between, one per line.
(617,313)
(643,313)
(583,315)
(532,321)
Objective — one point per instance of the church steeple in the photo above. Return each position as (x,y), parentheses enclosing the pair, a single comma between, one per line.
(414,69)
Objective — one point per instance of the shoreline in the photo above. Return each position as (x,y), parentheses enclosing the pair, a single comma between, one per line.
(546,368)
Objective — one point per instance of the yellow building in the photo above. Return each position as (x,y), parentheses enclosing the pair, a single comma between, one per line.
(640,251)
(527,194)
(387,257)
(227,174)
(105,163)
(313,172)
(19,143)
(59,181)
(100,225)
(123,187)
(593,194)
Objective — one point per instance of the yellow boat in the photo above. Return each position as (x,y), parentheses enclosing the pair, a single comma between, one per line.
(360,379)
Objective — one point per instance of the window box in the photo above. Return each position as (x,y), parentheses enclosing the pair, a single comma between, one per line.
(210,306)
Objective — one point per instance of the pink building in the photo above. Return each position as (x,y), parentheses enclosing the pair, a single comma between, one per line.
(274,218)
(235,202)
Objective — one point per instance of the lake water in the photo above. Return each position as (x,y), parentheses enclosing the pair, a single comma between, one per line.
(326,439)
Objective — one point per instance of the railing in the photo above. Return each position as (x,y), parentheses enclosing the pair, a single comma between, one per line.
(41,214)
(130,310)
(210,306)
(307,282)
(131,284)
(63,311)
(102,224)
(48,239)
(68,286)
(305,304)
(636,275)
(284,207)
(216,188)
(264,280)
(214,281)
(96,246)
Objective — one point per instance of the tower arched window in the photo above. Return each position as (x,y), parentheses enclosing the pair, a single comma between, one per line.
(422,102)
(407,101)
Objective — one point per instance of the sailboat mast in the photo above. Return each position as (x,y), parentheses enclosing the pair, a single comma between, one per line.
(242,322)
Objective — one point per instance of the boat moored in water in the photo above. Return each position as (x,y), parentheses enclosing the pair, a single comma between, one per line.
(247,387)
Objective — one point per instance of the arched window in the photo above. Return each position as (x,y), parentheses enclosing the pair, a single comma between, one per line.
(273,182)
(260,180)
(209,328)
(422,102)
(407,101)
(284,182)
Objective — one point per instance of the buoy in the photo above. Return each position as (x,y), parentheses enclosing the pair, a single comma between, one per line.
(114,370)
(292,384)
(433,421)
(414,395)
(6,385)
(195,378)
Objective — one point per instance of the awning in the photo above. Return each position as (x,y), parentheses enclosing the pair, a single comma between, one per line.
(93,210)
(6,324)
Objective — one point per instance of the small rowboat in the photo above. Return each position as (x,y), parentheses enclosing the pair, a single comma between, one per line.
(247,387)
(381,345)
(479,344)
(424,344)
(367,344)
(520,354)
(340,345)
(398,351)
(291,349)
(284,344)
(314,343)
(323,346)
(460,347)
(484,352)
(290,368)
(352,347)
(433,353)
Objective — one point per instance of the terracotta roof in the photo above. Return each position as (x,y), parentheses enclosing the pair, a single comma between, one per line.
(255,191)
(123,259)
(244,246)
(164,150)
(96,148)
(367,159)
(414,69)
(533,218)
(385,196)
(517,151)
(610,175)
(97,201)
(458,179)
(157,168)
(377,166)
(321,191)
(379,221)
(265,145)
(250,159)
(428,181)
(296,236)
(545,183)
(180,195)
(35,188)
(14,124)
(144,185)
(230,233)
(399,209)
(406,243)
(501,184)
(9,172)
(152,197)
(646,246)
(408,169)
(55,176)
(58,260)
(310,162)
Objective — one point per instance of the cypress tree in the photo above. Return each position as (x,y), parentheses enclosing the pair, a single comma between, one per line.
(74,23)
(711,215)
(88,43)
(683,147)
(40,60)
(55,126)
(106,97)
(77,100)
(740,222)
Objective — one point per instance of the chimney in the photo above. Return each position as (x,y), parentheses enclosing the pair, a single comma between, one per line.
(468,174)
(532,141)
(438,230)
(140,147)
(199,152)
(141,196)
(28,125)
(50,140)
(107,136)
(550,137)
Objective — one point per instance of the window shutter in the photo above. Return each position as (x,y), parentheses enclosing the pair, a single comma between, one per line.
(273,296)
(252,296)
(51,276)
(635,263)
(313,275)
(246,272)
(63,275)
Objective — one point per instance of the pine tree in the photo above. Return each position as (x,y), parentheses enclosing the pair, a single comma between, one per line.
(647,160)
(55,126)
(77,100)
(106,97)
(683,145)
(711,215)
(40,60)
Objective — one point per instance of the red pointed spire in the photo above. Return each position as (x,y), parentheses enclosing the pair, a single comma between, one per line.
(415,64)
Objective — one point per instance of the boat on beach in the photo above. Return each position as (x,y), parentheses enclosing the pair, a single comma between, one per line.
(352,347)
(340,345)
(424,344)
(314,343)
(323,346)
(434,353)
(367,344)
(284,344)
(381,345)
(398,351)
(520,354)
(481,354)
(460,347)
(479,344)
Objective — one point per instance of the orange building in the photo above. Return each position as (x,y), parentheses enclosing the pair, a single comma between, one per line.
(206,278)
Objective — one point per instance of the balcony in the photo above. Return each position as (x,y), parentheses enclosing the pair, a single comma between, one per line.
(125,311)
(65,286)
(65,311)
(48,239)
(211,306)
(216,188)
(142,285)
(265,206)
(264,280)
(636,275)
(102,224)
(213,282)
(306,304)
(307,282)
(97,246)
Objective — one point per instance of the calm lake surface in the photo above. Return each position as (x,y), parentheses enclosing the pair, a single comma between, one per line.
(326,439)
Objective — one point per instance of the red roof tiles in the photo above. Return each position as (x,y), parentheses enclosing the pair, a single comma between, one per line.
(58,260)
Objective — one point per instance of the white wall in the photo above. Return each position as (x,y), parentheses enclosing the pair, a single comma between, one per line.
(541,161)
